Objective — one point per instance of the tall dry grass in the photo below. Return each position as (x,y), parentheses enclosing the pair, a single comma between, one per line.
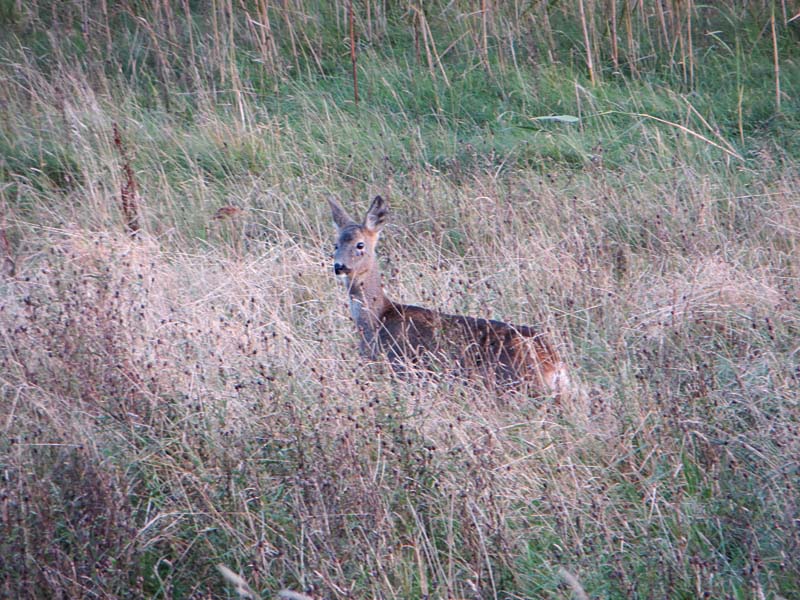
(167,410)
(192,395)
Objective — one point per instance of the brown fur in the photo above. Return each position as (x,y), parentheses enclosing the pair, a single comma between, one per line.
(500,354)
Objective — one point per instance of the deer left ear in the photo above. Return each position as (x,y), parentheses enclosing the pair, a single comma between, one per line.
(377,215)
(340,217)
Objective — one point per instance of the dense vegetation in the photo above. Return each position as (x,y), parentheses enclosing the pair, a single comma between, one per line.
(180,385)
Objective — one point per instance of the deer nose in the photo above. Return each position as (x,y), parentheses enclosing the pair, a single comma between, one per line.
(340,269)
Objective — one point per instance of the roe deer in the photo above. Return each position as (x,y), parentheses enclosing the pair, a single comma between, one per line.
(499,353)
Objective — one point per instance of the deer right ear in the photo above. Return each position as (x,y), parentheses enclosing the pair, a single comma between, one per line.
(340,216)
(377,215)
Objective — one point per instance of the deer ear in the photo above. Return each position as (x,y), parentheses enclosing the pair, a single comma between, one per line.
(377,215)
(340,216)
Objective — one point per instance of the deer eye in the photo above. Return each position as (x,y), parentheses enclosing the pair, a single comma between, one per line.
(360,246)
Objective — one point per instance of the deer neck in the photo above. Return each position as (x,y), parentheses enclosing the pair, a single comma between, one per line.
(367,301)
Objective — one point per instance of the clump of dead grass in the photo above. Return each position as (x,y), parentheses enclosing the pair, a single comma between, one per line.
(709,291)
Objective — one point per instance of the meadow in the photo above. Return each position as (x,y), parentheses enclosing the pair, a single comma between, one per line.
(180,382)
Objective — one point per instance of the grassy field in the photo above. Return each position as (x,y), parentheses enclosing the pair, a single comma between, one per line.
(180,386)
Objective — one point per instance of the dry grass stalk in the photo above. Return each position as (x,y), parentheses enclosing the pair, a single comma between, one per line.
(368,18)
(292,35)
(740,114)
(714,131)
(548,28)
(9,266)
(614,42)
(430,46)
(352,23)
(258,36)
(633,57)
(586,41)
(162,62)
(216,47)
(662,21)
(128,202)
(106,26)
(485,36)
(415,18)
(269,51)
(775,60)
(727,150)
(690,42)
(190,31)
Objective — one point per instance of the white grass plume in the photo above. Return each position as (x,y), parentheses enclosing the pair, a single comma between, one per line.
(573,583)
(238,582)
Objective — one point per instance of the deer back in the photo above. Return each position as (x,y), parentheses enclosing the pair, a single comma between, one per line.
(499,352)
